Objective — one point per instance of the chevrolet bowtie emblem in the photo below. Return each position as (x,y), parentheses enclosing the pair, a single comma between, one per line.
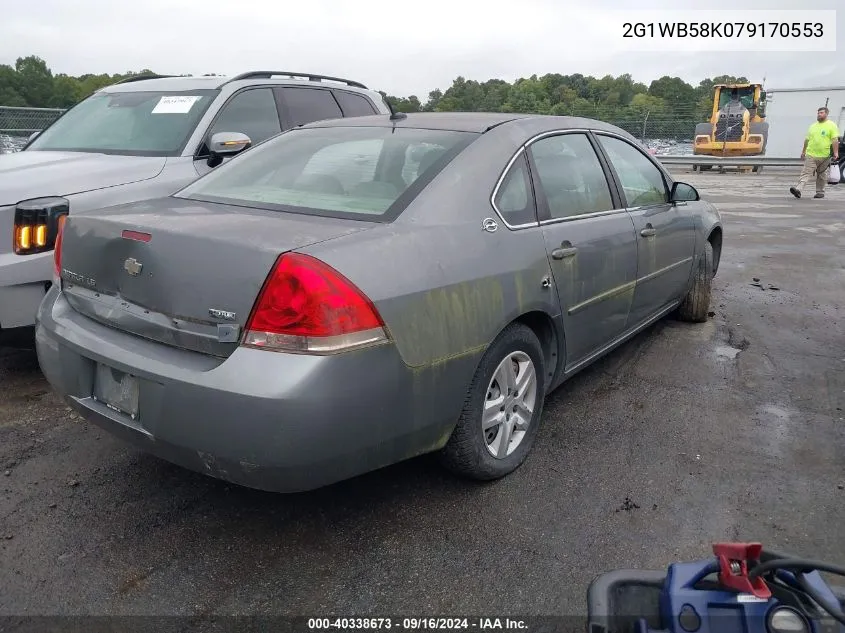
(133,266)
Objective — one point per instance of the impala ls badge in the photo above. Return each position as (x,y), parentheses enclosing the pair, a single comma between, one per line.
(489,225)
(76,278)
(133,266)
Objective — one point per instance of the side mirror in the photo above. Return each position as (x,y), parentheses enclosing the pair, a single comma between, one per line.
(228,143)
(224,144)
(682,192)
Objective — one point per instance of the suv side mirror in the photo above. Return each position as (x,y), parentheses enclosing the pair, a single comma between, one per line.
(682,192)
(223,144)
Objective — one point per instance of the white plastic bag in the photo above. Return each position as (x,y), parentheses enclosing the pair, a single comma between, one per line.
(833,174)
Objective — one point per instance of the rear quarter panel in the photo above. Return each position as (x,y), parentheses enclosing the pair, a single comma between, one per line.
(445,287)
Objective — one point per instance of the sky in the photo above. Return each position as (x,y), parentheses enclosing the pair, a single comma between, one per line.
(403,48)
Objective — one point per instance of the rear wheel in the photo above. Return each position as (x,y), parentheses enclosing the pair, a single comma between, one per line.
(501,415)
(696,304)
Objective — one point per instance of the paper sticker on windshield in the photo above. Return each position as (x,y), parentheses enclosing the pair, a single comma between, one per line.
(175,105)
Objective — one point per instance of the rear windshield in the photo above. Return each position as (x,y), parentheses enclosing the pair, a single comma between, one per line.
(367,173)
(134,123)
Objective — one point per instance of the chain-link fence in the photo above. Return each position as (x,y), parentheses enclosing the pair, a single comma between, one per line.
(664,132)
(667,131)
(17,124)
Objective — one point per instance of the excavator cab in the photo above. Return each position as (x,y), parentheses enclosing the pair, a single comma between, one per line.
(737,125)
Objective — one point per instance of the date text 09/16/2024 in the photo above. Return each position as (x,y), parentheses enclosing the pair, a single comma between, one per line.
(723,29)
(416,624)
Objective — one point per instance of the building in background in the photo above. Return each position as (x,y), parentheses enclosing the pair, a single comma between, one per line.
(790,111)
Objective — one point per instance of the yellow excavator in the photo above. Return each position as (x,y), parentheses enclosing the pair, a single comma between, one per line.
(737,125)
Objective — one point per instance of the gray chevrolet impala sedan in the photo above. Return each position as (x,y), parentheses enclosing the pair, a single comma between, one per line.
(356,292)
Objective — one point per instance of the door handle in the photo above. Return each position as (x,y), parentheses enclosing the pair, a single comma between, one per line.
(564,252)
(649,231)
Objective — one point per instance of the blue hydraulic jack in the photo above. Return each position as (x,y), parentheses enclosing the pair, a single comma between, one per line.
(742,589)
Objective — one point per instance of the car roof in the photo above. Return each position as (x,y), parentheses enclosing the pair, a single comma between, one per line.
(179,84)
(478,122)
(453,121)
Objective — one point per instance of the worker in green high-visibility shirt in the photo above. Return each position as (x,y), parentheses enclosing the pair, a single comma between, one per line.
(821,142)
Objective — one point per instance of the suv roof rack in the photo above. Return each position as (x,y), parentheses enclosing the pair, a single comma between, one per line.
(141,78)
(267,74)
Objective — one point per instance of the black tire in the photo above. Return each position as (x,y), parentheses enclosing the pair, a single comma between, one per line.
(703,129)
(466,452)
(696,304)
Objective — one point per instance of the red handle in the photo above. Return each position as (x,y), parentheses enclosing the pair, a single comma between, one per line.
(733,568)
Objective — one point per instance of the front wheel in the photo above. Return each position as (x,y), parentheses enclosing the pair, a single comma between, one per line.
(502,411)
(696,304)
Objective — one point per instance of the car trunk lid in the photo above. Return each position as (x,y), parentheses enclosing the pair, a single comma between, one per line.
(181,272)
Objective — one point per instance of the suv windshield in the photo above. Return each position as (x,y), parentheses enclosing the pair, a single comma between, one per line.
(135,123)
(368,173)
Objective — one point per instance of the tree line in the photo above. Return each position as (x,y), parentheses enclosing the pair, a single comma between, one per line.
(30,82)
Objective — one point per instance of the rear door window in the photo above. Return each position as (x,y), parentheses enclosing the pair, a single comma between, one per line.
(515,199)
(353,104)
(571,178)
(306,105)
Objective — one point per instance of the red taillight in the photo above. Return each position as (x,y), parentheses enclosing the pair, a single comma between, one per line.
(307,306)
(57,250)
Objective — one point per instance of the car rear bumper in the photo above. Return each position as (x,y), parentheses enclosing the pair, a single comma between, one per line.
(23,282)
(279,422)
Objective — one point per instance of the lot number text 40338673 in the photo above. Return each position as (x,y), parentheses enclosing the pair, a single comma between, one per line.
(417,624)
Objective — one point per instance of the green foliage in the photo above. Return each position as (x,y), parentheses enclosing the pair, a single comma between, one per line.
(30,82)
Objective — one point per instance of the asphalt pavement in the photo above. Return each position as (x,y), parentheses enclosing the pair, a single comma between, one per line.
(688,434)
